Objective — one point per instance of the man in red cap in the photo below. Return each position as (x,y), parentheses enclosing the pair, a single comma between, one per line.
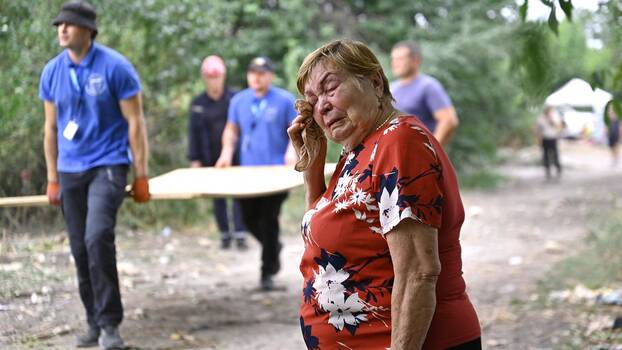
(208,116)
(94,130)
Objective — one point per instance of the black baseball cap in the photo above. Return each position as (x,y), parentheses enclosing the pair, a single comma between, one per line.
(79,13)
(261,64)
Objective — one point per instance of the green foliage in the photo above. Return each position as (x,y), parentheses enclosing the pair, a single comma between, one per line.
(471,46)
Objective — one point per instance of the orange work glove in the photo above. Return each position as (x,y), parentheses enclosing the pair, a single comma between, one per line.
(140,189)
(53,193)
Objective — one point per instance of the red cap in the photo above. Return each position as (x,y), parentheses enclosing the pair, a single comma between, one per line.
(213,66)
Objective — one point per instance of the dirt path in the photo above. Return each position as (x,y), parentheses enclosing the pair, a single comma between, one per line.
(182,292)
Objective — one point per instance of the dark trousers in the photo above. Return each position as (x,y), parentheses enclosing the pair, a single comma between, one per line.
(472,345)
(222,217)
(90,201)
(550,155)
(261,217)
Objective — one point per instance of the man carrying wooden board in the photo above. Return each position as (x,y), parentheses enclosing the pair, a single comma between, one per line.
(94,128)
(258,118)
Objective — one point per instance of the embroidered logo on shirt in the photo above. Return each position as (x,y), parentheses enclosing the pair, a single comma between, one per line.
(95,85)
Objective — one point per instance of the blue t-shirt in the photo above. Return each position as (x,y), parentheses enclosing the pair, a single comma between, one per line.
(263,125)
(421,97)
(90,98)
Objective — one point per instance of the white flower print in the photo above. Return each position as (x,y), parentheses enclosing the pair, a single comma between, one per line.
(345,182)
(342,310)
(306,219)
(376,229)
(339,206)
(328,287)
(389,210)
(351,156)
(373,152)
(359,196)
(360,215)
(429,146)
(408,213)
(392,126)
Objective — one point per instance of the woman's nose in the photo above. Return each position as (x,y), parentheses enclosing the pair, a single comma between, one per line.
(324,107)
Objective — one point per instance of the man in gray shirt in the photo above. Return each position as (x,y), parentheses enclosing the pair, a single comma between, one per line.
(420,94)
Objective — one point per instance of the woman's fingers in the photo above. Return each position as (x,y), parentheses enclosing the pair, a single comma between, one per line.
(295,130)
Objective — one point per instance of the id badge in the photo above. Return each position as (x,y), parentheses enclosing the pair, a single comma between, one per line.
(70,130)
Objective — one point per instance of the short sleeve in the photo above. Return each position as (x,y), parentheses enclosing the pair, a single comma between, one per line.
(436,97)
(45,90)
(125,81)
(291,110)
(408,176)
(232,113)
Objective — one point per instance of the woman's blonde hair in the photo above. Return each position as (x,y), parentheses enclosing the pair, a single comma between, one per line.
(351,56)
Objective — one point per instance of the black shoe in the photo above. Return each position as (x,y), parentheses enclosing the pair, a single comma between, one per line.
(241,243)
(88,338)
(225,243)
(277,263)
(266,283)
(110,338)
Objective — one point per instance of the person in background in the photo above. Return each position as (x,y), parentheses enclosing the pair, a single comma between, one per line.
(613,133)
(94,129)
(382,264)
(208,116)
(548,130)
(258,120)
(421,95)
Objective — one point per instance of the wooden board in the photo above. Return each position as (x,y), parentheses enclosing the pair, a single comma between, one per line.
(187,183)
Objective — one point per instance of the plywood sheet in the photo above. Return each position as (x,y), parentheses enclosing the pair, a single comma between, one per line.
(186,183)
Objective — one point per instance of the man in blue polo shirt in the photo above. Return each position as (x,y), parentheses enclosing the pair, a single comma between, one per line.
(419,94)
(94,129)
(258,118)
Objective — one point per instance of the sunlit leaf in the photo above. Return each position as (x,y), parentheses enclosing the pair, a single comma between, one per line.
(522,10)
(553,23)
(566,6)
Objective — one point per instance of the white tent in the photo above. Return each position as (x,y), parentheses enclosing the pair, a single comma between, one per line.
(582,108)
(579,93)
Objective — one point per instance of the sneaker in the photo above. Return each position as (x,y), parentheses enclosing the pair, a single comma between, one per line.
(225,243)
(241,243)
(110,338)
(266,283)
(88,338)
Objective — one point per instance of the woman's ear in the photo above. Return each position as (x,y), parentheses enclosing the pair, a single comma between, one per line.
(378,83)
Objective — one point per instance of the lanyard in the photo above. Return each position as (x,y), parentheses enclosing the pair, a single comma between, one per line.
(76,86)
(74,80)
(257,109)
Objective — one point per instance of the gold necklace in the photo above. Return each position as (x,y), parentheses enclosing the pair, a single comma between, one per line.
(390,117)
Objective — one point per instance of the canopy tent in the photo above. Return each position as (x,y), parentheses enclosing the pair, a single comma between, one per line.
(582,108)
(579,93)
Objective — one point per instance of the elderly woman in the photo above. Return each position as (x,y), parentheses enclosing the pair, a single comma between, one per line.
(381,265)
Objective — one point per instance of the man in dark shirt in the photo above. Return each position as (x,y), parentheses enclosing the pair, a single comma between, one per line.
(208,116)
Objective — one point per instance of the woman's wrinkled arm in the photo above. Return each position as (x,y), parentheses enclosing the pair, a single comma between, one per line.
(416,264)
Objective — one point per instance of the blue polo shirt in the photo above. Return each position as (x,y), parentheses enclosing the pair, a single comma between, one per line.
(263,124)
(90,99)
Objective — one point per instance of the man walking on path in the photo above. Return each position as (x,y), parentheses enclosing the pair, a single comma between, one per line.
(548,129)
(419,94)
(259,117)
(208,116)
(94,128)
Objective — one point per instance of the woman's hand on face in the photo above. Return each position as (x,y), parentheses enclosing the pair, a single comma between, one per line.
(295,131)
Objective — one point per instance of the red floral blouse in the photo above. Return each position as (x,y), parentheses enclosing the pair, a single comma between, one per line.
(398,172)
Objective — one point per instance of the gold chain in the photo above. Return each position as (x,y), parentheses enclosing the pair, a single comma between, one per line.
(390,117)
